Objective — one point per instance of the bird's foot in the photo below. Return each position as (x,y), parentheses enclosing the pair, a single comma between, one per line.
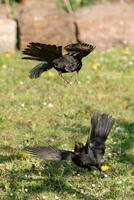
(65,80)
(74,77)
(103,175)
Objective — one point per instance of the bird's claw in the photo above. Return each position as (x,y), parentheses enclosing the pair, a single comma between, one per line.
(103,175)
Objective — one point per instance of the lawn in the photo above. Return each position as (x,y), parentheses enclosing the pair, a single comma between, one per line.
(47,112)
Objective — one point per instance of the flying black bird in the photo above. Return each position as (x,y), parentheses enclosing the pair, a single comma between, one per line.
(51,57)
(90,154)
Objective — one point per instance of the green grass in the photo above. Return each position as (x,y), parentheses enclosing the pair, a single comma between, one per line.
(46,112)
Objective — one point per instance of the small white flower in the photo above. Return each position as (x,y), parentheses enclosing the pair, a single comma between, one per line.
(22,105)
(119,182)
(39,173)
(64,145)
(44,103)
(105,175)
(50,105)
(119,129)
(109,154)
(131,62)
(52,140)
(93,185)
(21,82)
(4,66)
(82,191)
(26,190)
(56,197)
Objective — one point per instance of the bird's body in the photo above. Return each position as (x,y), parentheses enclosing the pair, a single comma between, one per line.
(52,57)
(90,154)
(67,64)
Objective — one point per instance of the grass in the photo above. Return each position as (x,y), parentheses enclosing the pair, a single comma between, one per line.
(46,112)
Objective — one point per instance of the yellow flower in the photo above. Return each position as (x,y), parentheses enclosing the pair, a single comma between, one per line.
(95,66)
(8,55)
(104,168)
(26,155)
(125,52)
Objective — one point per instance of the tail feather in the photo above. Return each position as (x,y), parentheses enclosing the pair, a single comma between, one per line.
(39,69)
(49,153)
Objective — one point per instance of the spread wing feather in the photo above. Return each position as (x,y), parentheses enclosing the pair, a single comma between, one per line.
(50,153)
(100,129)
(42,52)
(79,49)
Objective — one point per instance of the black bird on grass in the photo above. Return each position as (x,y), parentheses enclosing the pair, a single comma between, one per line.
(51,57)
(90,154)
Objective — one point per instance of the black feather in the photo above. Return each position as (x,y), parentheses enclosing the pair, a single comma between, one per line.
(90,154)
(39,69)
(43,52)
(49,153)
(52,54)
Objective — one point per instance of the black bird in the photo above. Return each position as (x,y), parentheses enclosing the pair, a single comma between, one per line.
(90,154)
(52,57)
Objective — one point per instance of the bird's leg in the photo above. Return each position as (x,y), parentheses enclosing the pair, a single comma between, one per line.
(76,77)
(65,81)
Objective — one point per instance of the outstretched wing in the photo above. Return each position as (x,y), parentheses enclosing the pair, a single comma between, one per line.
(94,121)
(42,52)
(50,153)
(79,49)
(102,130)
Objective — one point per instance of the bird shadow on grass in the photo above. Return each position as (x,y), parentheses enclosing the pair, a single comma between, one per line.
(54,177)
(124,142)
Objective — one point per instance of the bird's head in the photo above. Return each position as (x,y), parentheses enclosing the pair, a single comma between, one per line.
(78,147)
